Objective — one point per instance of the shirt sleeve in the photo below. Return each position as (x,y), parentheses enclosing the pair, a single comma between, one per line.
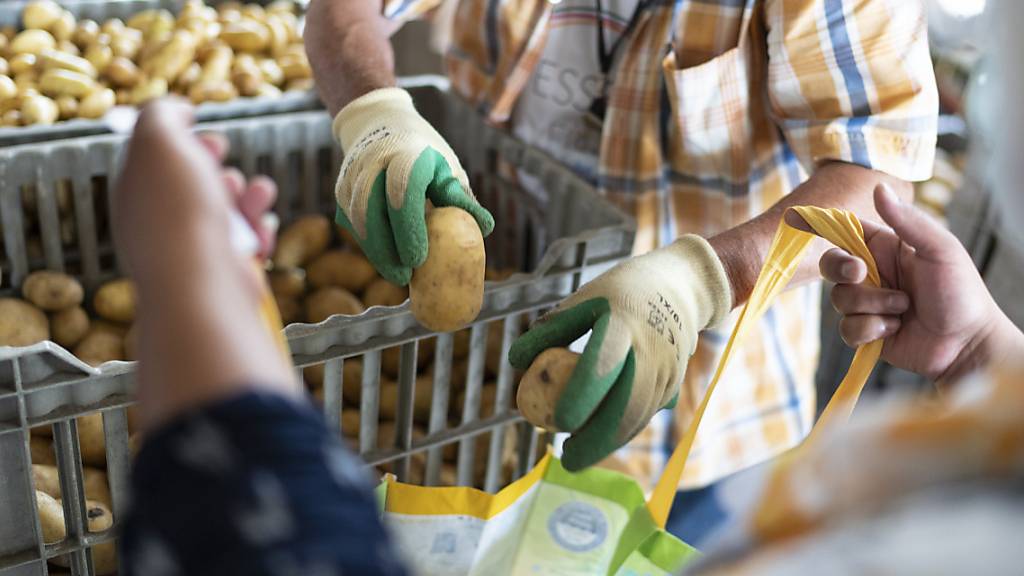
(402,11)
(852,81)
(255,485)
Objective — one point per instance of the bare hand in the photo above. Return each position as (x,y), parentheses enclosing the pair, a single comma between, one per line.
(933,308)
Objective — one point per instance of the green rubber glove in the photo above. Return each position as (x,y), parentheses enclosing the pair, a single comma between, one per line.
(644,316)
(394,162)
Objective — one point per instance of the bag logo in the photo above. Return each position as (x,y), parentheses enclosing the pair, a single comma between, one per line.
(578,527)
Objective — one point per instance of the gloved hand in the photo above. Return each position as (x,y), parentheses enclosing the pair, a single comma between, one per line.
(394,162)
(645,315)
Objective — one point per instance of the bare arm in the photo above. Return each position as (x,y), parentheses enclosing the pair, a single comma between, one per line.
(835,185)
(349,49)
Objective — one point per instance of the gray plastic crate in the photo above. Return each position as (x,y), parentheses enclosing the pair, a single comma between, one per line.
(552,240)
(100,10)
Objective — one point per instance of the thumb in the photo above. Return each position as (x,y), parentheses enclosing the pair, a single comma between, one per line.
(920,231)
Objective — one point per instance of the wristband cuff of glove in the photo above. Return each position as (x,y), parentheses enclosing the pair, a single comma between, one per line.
(708,266)
(367,107)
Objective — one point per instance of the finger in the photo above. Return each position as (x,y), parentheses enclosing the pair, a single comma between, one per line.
(256,200)
(865,328)
(558,329)
(378,241)
(448,190)
(839,266)
(794,220)
(913,226)
(599,437)
(850,299)
(255,204)
(597,370)
(216,144)
(407,179)
(234,181)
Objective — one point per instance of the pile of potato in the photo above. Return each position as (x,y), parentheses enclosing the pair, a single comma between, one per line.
(51,308)
(94,479)
(318,271)
(57,68)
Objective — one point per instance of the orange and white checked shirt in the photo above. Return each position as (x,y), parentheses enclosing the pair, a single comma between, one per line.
(716,109)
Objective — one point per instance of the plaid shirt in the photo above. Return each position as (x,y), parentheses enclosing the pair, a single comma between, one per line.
(716,109)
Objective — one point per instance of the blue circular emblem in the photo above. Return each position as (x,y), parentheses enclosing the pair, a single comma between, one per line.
(578,527)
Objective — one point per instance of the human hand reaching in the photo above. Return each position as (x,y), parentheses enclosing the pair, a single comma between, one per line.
(933,309)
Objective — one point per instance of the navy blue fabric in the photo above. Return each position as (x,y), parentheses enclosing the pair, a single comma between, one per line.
(255,485)
(695,514)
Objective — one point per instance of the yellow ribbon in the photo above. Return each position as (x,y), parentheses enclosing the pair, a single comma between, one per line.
(843,229)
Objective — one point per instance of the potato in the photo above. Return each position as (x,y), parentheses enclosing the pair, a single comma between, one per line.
(99,346)
(295,65)
(247,83)
(104,556)
(122,73)
(11,118)
(543,384)
(97,104)
(447,290)
(380,292)
(91,442)
(219,91)
(269,91)
(187,79)
(41,450)
(289,308)
(40,14)
(245,36)
(36,109)
(171,59)
(299,85)
(301,241)
(67,108)
(288,282)
(85,33)
(61,82)
(32,41)
(115,301)
(350,423)
(347,270)
(21,323)
(46,479)
(21,64)
(50,59)
(131,343)
(352,381)
(390,358)
(423,398)
(69,326)
(63,28)
(271,70)
(150,89)
(8,89)
(52,291)
(101,56)
(327,302)
(51,518)
(388,398)
(68,47)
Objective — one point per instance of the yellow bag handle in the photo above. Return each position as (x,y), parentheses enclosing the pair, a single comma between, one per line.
(842,228)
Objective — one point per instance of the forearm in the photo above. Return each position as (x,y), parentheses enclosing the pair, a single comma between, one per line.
(743,249)
(201,338)
(349,49)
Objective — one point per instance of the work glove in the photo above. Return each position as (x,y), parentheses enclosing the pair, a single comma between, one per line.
(394,162)
(644,316)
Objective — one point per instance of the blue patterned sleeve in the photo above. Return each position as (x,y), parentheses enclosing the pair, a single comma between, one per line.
(255,485)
